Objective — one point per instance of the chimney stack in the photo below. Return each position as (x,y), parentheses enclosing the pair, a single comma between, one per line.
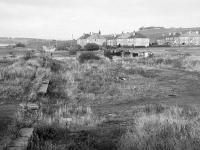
(134,33)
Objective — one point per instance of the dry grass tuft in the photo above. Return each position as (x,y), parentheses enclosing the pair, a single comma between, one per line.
(192,63)
(174,128)
(71,116)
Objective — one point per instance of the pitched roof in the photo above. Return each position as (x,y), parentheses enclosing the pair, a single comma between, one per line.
(131,35)
(84,36)
(96,36)
(109,37)
(139,35)
(168,36)
(112,36)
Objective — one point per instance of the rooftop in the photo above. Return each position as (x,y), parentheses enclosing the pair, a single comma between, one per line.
(96,36)
(131,35)
(170,35)
(84,36)
(190,35)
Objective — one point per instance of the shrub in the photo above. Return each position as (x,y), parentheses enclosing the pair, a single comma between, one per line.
(91,47)
(73,50)
(126,46)
(108,54)
(160,61)
(43,136)
(55,66)
(62,48)
(28,55)
(177,63)
(169,129)
(20,45)
(55,89)
(88,56)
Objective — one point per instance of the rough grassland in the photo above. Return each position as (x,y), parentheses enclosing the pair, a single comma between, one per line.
(124,104)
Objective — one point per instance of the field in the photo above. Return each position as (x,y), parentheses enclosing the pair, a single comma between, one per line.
(102,104)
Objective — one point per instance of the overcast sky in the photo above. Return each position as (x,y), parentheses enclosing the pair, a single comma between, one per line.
(59,19)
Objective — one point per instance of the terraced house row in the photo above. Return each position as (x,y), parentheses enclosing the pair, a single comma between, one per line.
(180,39)
(132,39)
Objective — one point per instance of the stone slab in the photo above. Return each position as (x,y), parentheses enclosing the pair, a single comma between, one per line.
(26,132)
(43,88)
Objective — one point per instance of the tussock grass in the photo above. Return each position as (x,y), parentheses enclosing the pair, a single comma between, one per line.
(100,82)
(107,82)
(11,93)
(173,61)
(182,61)
(13,72)
(172,128)
(86,56)
(17,79)
(72,116)
(192,63)
(17,70)
(141,71)
(75,86)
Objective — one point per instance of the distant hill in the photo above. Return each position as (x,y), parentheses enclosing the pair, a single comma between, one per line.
(156,32)
(35,43)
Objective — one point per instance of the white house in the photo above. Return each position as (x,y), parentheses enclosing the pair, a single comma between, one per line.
(133,39)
